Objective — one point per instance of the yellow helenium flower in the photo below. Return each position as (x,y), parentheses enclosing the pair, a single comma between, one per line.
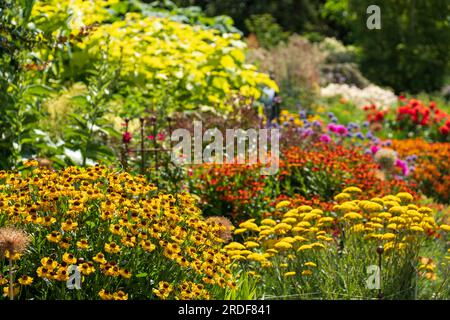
(25,280)
(445,227)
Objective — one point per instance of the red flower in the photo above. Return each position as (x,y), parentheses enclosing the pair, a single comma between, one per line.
(444,130)
(126,137)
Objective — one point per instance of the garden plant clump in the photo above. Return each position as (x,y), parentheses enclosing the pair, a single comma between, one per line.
(134,137)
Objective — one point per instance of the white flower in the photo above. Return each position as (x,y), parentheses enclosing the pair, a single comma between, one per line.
(382,98)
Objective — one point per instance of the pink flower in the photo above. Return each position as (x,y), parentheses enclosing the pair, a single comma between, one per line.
(160,136)
(332,127)
(126,137)
(151,137)
(342,130)
(374,149)
(325,138)
(402,165)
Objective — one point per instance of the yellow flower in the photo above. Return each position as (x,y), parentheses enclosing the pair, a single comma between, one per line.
(289,274)
(416,228)
(282,228)
(353,216)
(147,245)
(112,247)
(305,247)
(240,230)
(405,197)
(256,257)
(388,236)
(16,291)
(25,280)
(234,246)
(268,222)
(282,204)
(249,226)
(104,295)
(304,209)
(86,268)
(306,272)
(342,197)
(445,227)
(54,236)
(49,263)
(310,264)
(289,220)
(99,258)
(69,225)
(251,244)
(282,245)
(69,258)
(352,190)
(120,295)
(83,244)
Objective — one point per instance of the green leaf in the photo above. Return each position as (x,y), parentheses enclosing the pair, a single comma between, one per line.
(39,90)
(141,275)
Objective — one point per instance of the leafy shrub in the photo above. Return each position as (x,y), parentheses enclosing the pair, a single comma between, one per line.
(410,52)
(267,31)
(190,65)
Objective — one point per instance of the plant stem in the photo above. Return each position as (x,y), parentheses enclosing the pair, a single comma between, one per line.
(11,280)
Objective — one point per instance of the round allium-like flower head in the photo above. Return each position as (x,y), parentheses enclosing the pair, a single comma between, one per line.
(13,240)
(386,158)
(225,227)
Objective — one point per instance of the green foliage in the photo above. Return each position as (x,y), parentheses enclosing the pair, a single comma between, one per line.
(20,92)
(266,29)
(411,50)
(89,131)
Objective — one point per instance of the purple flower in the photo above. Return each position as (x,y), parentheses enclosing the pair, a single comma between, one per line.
(316,123)
(325,138)
(360,135)
(307,132)
(302,114)
(331,115)
(369,135)
(334,120)
(365,124)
